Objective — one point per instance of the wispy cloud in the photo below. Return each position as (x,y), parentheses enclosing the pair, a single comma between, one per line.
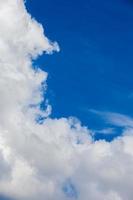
(115,119)
(106,131)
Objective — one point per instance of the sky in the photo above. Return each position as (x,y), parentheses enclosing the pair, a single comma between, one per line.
(94,67)
(66,124)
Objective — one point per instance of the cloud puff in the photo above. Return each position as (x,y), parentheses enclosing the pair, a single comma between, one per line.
(56,159)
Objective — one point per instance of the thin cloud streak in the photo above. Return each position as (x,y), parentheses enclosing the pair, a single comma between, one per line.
(115,119)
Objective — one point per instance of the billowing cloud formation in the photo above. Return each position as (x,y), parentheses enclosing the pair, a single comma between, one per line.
(57,159)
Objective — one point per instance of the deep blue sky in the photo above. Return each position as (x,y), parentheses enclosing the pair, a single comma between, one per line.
(94,69)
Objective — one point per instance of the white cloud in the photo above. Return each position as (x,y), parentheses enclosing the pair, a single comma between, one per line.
(115,119)
(37,160)
(105,131)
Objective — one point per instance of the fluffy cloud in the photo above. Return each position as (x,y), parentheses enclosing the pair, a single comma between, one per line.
(57,159)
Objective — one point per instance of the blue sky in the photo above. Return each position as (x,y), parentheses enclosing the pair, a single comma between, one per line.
(94,67)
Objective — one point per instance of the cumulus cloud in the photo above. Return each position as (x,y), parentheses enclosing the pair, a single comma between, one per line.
(56,159)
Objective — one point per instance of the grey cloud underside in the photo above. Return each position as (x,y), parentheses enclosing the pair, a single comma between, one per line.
(37,160)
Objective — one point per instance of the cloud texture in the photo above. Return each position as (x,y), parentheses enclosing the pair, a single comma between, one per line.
(57,159)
